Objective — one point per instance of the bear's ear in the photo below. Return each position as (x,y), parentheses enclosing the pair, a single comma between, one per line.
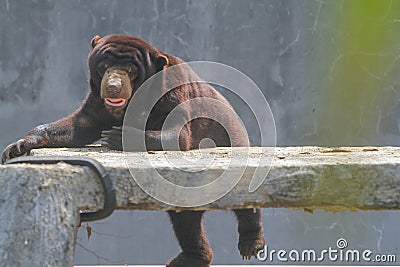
(95,40)
(161,61)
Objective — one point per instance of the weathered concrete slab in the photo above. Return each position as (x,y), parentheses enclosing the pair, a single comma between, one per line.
(39,203)
(301,177)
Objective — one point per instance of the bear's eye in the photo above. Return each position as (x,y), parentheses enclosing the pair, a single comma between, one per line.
(102,68)
(131,70)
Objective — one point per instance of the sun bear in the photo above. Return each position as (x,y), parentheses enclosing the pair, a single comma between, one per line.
(118,66)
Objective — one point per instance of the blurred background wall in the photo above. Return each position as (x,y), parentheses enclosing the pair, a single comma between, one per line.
(329,69)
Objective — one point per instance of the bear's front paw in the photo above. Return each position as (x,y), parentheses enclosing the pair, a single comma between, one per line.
(251,247)
(16,149)
(112,138)
(183,260)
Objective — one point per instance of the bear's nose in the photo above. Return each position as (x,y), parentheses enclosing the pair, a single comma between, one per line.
(113,88)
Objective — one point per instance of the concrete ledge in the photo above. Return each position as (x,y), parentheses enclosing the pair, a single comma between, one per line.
(39,203)
(335,179)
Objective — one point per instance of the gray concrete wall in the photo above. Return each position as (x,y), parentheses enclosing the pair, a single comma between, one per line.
(293,50)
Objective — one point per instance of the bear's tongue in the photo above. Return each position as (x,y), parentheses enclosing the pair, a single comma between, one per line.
(115,102)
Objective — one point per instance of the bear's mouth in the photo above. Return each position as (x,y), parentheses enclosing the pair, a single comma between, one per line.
(115,102)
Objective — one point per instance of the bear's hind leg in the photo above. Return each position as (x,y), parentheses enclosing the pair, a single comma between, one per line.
(196,251)
(251,236)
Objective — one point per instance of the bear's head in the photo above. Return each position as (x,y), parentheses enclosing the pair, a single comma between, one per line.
(119,64)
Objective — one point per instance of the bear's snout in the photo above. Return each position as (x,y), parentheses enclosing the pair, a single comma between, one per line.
(116,83)
(113,87)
